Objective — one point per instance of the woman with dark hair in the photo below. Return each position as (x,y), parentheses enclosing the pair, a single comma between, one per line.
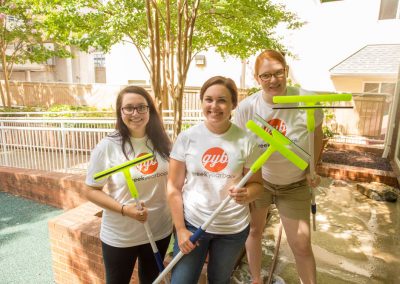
(139,131)
(206,162)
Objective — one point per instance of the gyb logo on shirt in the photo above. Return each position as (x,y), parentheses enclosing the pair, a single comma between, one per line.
(147,167)
(215,159)
(278,125)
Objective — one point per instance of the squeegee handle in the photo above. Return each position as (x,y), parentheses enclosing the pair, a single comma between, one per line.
(310,120)
(157,255)
(130,183)
(311,98)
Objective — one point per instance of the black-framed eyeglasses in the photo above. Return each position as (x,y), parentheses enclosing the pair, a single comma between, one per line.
(266,77)
(131,109)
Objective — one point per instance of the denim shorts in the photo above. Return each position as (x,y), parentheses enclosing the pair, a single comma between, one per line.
(223,253)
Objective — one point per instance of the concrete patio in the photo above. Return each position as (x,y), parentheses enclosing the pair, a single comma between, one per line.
(357,240)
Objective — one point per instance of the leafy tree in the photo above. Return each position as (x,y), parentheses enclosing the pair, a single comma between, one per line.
(26,35)
(169,33)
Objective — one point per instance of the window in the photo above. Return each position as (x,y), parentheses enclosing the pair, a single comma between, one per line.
(384,89)
(200,60)
(389,10)
(371,88)
(99,60)
(379,88)
(388,88)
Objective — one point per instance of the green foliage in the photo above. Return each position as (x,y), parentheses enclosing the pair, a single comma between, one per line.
(62,111)
(185,126)
(327,132)
(329,121)
(58,108)
(241,27)
(253,90)
(29,32)
(238,27)
(290,83)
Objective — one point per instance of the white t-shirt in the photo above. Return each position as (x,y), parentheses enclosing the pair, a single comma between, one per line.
(290,122)
(213,164)
(150,180)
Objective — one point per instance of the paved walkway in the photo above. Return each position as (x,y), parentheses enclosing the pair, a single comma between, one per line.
(25,255)
(357,240)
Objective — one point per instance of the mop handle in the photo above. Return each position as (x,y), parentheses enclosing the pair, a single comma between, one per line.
(135,195)
(200,231)
(312,174)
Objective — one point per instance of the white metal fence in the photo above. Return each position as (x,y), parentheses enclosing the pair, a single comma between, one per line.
(38,141)
(56,144)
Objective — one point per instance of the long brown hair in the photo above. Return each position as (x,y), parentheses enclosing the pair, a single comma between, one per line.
(155,130)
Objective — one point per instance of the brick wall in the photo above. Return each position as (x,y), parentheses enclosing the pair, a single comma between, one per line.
(51,188)
(76,247)
(344,172)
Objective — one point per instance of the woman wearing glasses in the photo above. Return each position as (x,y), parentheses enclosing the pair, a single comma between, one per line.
(284,184)
(139,131)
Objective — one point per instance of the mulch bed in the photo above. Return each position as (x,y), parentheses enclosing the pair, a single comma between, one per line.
(362,159)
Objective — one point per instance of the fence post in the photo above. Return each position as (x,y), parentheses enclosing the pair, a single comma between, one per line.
(3,142)
(64,147)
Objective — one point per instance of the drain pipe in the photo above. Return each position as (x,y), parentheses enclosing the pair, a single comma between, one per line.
(392,118)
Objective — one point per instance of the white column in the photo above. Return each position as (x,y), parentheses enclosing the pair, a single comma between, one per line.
(28,76)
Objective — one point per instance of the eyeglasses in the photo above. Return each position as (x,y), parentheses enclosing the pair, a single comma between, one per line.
(131,109)
(266,77)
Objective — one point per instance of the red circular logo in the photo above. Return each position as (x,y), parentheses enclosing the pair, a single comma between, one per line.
(278,125)
(147,167)
(215,159)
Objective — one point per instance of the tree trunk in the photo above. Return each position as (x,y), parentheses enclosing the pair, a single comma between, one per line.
(6,81)
(178,110)
(3,100)
(165,51)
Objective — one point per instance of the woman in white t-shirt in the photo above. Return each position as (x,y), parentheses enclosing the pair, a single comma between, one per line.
(206,161)
(284,184)
(139,130)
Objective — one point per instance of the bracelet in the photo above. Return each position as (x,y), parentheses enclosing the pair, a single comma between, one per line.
(122,209)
